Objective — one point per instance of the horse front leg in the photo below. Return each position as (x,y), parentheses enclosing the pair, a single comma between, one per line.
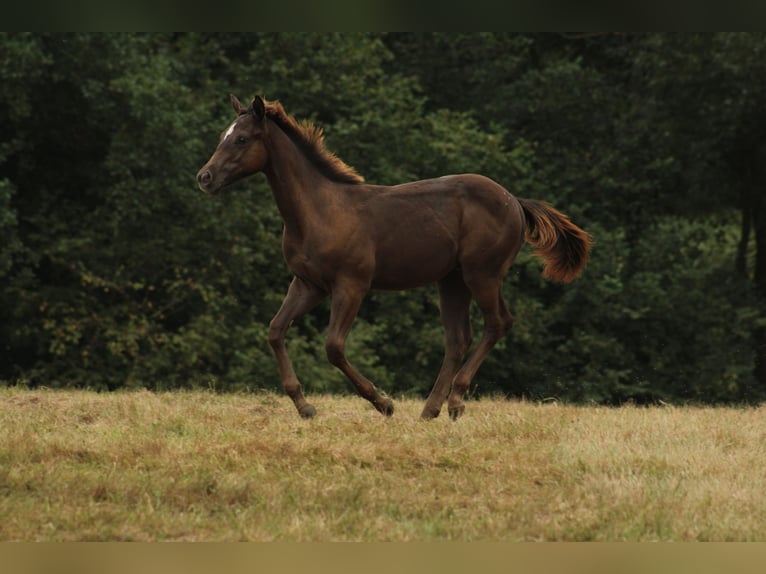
(301,298)
(346,298)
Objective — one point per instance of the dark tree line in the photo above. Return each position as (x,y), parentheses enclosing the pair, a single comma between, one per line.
(115,272)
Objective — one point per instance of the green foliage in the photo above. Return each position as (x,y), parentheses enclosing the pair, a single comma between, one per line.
(116,272)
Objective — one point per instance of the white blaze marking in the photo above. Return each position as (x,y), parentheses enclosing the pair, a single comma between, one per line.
(231,129)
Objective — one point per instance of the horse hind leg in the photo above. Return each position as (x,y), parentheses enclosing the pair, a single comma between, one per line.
(497,322)
(454,303)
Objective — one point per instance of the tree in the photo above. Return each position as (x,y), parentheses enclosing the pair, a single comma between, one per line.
(116,272)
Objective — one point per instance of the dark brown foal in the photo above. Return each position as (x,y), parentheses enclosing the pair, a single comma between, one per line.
(343,237)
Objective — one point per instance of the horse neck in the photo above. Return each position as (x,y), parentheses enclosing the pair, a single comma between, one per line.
(299,188)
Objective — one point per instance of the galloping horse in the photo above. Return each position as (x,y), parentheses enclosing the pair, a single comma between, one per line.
(343,237)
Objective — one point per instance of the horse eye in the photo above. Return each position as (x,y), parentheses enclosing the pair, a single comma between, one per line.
(241,139)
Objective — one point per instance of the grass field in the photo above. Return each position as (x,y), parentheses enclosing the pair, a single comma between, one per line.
(77,465)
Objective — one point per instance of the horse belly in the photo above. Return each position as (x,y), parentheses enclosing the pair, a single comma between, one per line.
(413,259)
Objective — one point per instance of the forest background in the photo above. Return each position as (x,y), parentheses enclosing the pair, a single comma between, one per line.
(117,273)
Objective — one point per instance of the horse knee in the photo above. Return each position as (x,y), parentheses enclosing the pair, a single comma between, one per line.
(335,352)
(276,335)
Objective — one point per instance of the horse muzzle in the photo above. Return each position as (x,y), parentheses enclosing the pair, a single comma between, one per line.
(205,181)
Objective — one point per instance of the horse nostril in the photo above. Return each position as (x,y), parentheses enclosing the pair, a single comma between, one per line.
(204,177)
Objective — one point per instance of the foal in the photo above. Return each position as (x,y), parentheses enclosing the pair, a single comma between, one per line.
(343,237)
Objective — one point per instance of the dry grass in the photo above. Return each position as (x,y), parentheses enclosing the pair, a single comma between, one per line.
(201,466)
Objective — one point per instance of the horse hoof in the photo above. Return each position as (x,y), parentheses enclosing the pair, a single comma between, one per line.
(307,411)
(386,407)
(456,412)
(428,415)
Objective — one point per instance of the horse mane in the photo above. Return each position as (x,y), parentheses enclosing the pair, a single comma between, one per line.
(310,139)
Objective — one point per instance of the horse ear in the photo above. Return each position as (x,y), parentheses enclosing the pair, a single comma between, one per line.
(237,105)
(258,107)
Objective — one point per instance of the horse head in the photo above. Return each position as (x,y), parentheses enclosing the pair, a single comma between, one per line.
(241,150)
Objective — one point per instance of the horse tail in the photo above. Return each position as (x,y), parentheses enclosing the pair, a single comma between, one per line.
(563,247)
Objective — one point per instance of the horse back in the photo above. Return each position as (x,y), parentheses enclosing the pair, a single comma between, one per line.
(422,230)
